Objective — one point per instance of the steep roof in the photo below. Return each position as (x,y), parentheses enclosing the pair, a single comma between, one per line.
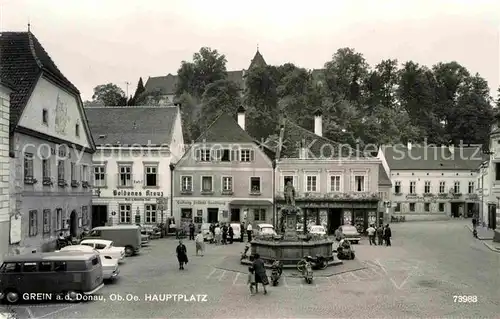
(127,125)
(22,60)
(294,137)
(400,157)
(383,178)
(258,60)
(225,129)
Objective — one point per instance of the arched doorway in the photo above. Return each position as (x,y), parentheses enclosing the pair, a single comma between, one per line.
(73,224)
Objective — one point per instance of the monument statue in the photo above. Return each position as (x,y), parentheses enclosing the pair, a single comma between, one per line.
(289,194)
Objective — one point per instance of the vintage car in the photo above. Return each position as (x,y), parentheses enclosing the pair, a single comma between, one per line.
(318,229)
(205,230)
(105,247)
(236,231)
(265,230)
(350,233)
(110,268)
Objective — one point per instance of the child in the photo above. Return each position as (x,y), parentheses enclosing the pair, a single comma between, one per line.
(251,281)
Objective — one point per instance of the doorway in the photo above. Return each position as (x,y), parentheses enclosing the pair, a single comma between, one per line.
(334,219)
(471,207)
(73,224)
(492,216)
(456,209)
(235,215)
(213,215)
(99,215)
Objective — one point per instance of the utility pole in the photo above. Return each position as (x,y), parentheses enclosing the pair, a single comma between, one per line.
(127,84)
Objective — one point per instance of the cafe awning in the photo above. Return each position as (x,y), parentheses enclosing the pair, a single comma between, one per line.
(251,202)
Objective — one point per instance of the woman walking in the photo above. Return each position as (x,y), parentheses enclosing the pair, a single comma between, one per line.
(181,255)
(260,274)
(200,244)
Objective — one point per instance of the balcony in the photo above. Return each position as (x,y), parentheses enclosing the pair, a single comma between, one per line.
(29,180)
(227,192)
(345,196)
(47,181)
(75,183)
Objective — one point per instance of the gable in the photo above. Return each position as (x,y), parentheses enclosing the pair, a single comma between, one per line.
(64,112)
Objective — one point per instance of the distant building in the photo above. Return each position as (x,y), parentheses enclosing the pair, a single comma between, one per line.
(490,174)
(131,167)
(51,147)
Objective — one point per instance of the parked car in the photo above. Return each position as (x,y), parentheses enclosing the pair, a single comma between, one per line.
(20,274)
(318,229)
(351,233)
(105,247)
(110,268)
(236,231)
(265,229)
(128,236)
(205,230)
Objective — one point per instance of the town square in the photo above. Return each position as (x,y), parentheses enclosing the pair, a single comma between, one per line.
(245,181)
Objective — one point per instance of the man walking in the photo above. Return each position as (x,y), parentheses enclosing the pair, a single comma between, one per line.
(191,230)
(249,232)
(380,234)
(371,235)
(387,235)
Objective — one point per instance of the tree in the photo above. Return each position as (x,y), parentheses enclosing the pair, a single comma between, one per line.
(189,116)
(208,66)
(139,97)
(497,103)
(109,95)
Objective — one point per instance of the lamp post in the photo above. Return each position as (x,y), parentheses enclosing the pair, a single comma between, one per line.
(172,167)
(274,193)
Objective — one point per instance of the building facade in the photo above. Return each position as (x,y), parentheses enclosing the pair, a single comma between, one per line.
(131,167)
(5,91)
(491,181)
(224,177)
(430,181)
(334,184)
(51,147)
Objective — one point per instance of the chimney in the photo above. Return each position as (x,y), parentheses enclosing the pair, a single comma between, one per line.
(318,123)
(408,145)
(241,117)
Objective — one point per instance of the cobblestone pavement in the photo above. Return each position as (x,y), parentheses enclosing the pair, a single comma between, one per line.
(428,264)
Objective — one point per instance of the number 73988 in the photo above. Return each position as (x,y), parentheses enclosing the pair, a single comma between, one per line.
(465,299)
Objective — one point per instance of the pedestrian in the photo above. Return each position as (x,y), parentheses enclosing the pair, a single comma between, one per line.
(230,232)
(371,235)
(224,234)
(260,274)
(173,228)
(249,232)
(380,234)
(218,234)
(387,235)
(200,244)
(181,255)
(338,234)
(251,281)
(474,222)
(191,230)
(242,231)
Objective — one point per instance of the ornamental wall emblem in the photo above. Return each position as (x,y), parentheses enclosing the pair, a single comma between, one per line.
(61,118)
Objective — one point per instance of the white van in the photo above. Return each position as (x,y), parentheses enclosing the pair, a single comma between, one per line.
(236,231)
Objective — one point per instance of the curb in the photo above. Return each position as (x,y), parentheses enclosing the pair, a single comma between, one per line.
(478,237)
(491,247)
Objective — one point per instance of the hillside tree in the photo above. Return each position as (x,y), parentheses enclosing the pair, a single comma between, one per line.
(109,95)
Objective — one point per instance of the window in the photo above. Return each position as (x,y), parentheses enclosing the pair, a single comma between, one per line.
(186,183)
(246,155)
(28,167)
(45,266)
(203,155)
(100,176)
(206,184)
(73,172)
(255,185)
(85,215)
(311,183)
(125,213)
(125,176)
(427,207)
(150,215)
(260,214)
(441,207)
(186,213)
(85,173)
(456,187)
(413,187)
(335,183)
(442,187)
(288,178)
(100,246)
(59,266)
(46,174)
(397,208)
(29,267)
(45,117)
(151,177)
(46,221)
(412,207)
(11,267)
(227,184)
(225,155)
(60,171)
(497,171)
(427,187)
(359,183)
(77,130)
(397,187)
(59,219)
(471,187)
(33,223)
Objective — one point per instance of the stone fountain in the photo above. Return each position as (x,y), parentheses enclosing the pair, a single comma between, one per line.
(290,247)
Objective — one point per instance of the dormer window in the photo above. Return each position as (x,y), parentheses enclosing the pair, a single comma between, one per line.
(45,117)
(77,130)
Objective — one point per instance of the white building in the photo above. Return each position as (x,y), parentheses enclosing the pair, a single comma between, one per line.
(51,147)
(5,91)
(131,173)
(430,182)
(491,186)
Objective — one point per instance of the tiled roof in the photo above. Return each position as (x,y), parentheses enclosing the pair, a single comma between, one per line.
(400,157)
(225,129)
(296,137)
(383,178)
(127,125)
(22,61)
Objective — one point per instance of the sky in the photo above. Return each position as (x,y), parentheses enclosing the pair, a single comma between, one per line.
(101,41)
